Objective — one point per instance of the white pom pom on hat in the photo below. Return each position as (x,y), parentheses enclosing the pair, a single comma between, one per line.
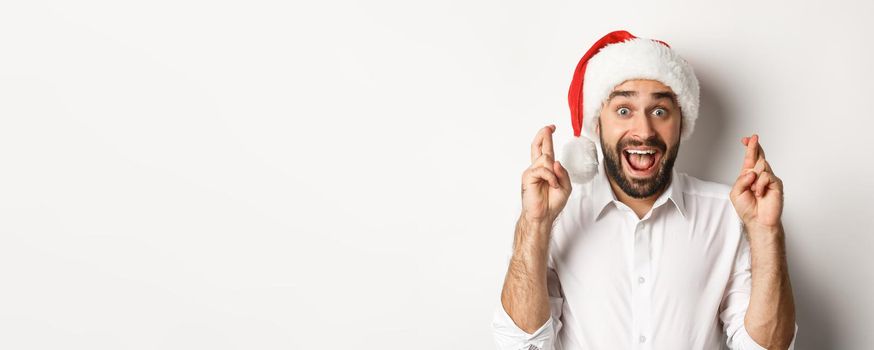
(615,58)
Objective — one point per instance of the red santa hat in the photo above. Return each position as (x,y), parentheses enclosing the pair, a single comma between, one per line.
(615,58)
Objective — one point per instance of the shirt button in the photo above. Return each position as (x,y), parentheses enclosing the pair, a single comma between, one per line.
(641,280)
(642,339)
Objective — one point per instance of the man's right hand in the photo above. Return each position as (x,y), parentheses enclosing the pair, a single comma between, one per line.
(546,185)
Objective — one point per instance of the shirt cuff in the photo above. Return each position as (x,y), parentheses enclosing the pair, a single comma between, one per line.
(743,340)
(508,336)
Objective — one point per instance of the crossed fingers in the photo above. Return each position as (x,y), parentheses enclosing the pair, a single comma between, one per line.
(543,164)
(754,161)
(542,145)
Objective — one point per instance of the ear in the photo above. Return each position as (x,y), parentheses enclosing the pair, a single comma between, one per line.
(598,127)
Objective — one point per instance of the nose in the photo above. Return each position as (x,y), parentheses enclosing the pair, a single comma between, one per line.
(641,126)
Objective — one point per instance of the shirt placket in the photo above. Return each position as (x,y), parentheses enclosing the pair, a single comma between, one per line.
(641,287)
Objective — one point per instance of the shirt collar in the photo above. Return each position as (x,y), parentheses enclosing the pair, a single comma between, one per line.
(602,193)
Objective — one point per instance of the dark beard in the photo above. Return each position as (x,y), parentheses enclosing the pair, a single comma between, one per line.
(640,188)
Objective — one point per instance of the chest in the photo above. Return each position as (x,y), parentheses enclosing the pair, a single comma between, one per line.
(667,264)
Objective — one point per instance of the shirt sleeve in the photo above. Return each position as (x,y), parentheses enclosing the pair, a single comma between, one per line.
(737,299)
(508,336)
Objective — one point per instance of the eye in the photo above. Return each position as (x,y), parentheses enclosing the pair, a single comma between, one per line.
(623,111)
(660,112)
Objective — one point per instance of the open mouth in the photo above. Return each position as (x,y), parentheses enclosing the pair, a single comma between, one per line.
(641,161)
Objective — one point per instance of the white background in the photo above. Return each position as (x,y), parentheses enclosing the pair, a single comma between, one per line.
(345,175)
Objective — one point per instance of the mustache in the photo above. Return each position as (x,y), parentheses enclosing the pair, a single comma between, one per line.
(654,142)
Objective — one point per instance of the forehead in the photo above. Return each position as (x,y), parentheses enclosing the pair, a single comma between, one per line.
(641,88)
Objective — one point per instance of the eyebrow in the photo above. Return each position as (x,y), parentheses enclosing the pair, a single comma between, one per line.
(655,95)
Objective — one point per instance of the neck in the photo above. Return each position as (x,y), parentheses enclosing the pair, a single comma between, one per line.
(640,205)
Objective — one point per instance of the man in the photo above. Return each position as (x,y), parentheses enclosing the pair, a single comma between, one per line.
(637,255)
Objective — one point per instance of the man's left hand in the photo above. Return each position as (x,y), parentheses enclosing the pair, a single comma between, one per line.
(757,194)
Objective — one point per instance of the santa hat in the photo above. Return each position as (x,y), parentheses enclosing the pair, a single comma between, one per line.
(615,58)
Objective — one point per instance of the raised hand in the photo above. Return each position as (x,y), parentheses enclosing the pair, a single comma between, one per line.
(546,185)
(757,194)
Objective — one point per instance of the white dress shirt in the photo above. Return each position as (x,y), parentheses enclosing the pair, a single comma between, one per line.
(677,279)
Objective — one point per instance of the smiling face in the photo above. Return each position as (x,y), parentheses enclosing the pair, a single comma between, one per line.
(639,127)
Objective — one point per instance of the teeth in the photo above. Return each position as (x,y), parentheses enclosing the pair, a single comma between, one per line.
(632,151)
